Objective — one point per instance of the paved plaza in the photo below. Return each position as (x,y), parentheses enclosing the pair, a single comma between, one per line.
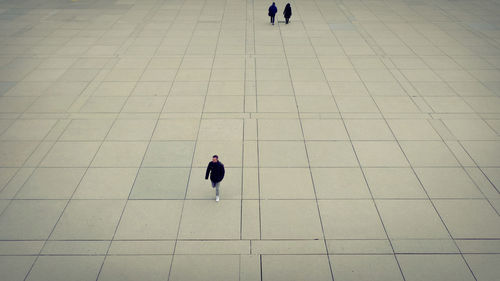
(361,141)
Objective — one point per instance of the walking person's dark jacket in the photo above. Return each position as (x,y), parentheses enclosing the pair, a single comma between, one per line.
(272,10)
(216,171)
(287,13)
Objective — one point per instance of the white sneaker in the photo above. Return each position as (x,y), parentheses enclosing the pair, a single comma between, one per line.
(216,198)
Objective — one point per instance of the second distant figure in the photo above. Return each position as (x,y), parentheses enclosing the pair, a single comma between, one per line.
(287,13)
(272,12)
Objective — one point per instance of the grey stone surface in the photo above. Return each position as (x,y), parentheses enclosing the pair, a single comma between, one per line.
(361,141)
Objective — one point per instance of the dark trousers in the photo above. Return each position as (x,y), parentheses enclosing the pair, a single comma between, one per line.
(272,19)
(287,20)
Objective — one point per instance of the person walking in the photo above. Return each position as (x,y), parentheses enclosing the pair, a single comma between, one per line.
(216,170)
(287,13)
(272,12)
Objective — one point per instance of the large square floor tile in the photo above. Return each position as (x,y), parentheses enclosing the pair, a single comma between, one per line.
(176,129)
(221,129)
(149,219)
(331,154)
(51,183)
(15,268)
(394,183)
(106,183)
(290,219)
(339,183)
(88,220)
(428,154)
(286,183)
(30,219)
(282,154)
(169,154)
(469,218)
(448,183)
(205,267)
(131,130)
(279,129)
(86,130)
(485,153)
(413,129)
(365,267)
(411,219)
(61,268)
(15,153)
(484,267)
(131,268)
(324,129)
(120,154)
(368,129)
(434,268)
(295,267)
(351,219)
(207,219)
(160,183)
(70,154)
(28,130)
(380,154)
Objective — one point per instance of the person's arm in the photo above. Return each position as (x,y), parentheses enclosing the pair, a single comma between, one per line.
(208,172)
(223,172)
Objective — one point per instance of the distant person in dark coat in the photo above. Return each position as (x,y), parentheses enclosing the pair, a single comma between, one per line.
(216,170)
(272,12)
(287,13)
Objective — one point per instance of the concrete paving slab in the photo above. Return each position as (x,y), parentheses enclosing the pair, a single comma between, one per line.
(364,113)
(148,267)
(362,267)
(15,268)
(62,267)
(207,219)
(448,183)
(88,219)
(462,218)
(106,183)
(286,183)
(483,266)
(160,183)
(411,219)
(51,183)
(339,183)
(149,219)
(70,154)
(30,219)
(434,267)
(295,267)
(214,267)
(350,219)
(331,154)
(281,219)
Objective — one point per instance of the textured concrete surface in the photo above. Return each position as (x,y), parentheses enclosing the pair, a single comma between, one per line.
(361,141)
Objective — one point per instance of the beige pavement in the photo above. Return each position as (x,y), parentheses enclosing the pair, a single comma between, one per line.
(361,141)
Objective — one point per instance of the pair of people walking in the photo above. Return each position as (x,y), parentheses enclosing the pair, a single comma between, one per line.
(287,13)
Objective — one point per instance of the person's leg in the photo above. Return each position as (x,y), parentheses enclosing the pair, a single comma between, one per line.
(272,19)
(286,20)
(217,191)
